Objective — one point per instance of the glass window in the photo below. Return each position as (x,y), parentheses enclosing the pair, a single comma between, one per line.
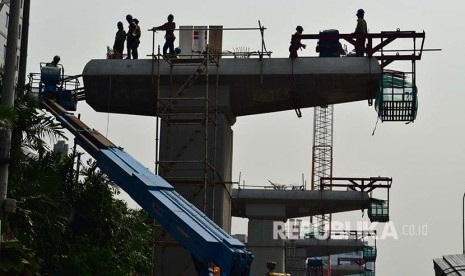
(7,19)
(19,32)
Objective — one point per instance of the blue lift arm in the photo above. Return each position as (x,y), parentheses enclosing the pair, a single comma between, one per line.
(207,242)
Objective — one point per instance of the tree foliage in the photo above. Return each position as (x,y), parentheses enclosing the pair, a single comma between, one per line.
(67,222)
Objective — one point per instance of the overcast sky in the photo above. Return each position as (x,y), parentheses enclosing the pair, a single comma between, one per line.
(425,159)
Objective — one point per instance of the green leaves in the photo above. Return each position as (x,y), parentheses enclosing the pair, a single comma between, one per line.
(34,124)
(67,222)
(16,259)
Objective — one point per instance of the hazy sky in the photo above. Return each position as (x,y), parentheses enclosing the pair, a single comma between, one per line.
(425,159)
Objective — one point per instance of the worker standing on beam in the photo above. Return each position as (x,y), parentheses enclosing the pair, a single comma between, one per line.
(169,27)
(137,34)
(295,42)
(131,40)
(361,29)
(120,38)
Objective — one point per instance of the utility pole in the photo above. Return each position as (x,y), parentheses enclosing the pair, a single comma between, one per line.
(8,102)
(23,50)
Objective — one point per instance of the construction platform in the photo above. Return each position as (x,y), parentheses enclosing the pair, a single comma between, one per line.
(246,86)
(257,203)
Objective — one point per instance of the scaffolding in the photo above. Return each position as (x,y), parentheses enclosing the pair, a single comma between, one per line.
(322,159)
(396,100)
(183,107)
(378,210)
(191,103)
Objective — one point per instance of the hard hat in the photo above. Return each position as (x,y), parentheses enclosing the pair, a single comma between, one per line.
(56,59)
(360,11)
(119,24)
(170,17)
(299,28)
(128,17)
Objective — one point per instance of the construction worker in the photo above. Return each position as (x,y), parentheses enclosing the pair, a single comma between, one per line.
(361,29)
(169,27)
(55,61)
(295,42)
(136,34)
(131,39)
(120,38)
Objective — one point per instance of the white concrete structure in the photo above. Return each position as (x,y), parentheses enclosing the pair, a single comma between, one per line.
(4,16)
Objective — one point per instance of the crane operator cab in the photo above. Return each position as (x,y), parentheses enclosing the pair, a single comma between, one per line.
(53,84)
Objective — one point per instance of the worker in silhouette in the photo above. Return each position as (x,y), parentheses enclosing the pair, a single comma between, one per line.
(295,42)
(169,27)
(131,39)
(361,29)
(54,62)
(136,34)
(120,38)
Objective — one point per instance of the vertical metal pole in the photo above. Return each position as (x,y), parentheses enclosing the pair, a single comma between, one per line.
(215,138)
(153,44)
(207,122)
(158,117)
(24,45)
(463,223)
(8,96)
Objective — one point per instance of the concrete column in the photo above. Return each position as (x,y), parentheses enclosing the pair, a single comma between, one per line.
(182,152)
(260,239)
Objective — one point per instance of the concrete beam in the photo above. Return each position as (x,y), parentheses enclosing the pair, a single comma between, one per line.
(257,203)
(247,86)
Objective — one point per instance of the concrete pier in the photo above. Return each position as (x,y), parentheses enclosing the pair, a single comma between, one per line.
(262,207)
(238,87)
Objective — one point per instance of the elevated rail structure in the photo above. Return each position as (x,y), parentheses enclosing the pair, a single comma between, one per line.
(221,89)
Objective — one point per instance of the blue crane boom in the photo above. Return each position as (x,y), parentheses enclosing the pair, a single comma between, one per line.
(207,242)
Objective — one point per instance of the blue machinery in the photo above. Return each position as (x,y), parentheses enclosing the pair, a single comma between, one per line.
(209,245)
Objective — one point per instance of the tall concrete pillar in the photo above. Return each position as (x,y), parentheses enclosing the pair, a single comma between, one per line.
(260,239)
(198,163)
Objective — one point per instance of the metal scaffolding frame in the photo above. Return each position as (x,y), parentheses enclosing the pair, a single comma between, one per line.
(322,163)
(199,111)
(322,158)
